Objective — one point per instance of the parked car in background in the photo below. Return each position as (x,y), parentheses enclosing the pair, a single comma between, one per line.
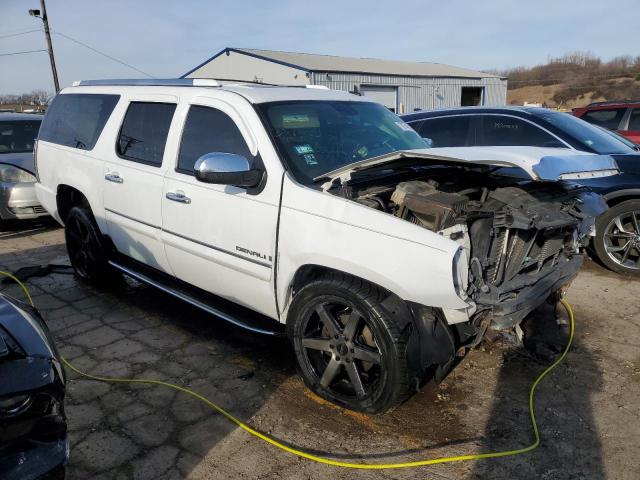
(18,200)
(33,426)
(620,116)
(617,240)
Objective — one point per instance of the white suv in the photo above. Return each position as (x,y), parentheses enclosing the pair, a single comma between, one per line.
(314,209)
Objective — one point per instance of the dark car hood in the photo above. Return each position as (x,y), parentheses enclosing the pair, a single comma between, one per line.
(26,327)
(22,160)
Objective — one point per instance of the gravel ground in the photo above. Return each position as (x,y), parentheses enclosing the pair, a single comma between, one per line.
(588,410)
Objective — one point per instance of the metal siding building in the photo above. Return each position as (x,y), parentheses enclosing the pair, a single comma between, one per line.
(401,86)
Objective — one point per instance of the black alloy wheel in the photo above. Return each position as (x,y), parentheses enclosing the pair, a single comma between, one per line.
(85,247)
(617,241)
(349,349)
(341,349)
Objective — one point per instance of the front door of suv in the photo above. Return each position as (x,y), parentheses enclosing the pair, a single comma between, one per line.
(220,238)
(133,177)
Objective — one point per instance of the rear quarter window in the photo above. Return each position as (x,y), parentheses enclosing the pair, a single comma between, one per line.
(77,119)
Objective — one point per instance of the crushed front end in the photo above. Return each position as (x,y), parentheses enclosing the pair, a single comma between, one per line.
(521,238)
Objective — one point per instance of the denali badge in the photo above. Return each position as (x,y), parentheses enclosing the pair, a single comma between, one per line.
(252,253)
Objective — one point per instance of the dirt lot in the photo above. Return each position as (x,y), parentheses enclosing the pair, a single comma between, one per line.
(588,410)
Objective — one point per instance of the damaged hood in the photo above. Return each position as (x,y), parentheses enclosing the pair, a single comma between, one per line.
(548,164)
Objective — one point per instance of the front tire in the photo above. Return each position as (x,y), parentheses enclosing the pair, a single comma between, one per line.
(617,241)
(85,247)
(350,350)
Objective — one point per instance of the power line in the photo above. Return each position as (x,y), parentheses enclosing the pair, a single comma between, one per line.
(20,33)
(20,53)
(101,53)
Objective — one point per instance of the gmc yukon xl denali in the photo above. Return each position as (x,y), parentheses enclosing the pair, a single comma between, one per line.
(318,211)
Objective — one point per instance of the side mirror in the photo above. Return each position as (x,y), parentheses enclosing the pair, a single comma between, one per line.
(227,169)
(428,141)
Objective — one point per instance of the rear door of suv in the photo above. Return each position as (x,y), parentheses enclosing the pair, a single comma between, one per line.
(133,177)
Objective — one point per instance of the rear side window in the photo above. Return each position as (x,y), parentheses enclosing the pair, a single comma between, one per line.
(634,120)
(209,130)
(500,130)
(448,131)
(77,119)
(605,118)
(144,132)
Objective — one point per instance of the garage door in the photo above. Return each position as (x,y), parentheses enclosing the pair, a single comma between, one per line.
(387,96)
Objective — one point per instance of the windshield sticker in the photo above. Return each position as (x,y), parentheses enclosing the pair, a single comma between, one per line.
(310,158)
(303,149)
(300,120)
(404,126)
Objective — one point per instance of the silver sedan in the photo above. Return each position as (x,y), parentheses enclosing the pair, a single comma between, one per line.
(18,200)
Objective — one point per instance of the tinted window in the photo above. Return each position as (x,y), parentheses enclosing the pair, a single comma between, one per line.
(209,130)
(589,137)
(144,132)
(18,136)
(76,119)
(501,130)
(634,120)
(605,118)
(448,131)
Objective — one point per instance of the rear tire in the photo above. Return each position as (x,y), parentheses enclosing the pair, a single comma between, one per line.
(86,249)
(617,241)
(350,350)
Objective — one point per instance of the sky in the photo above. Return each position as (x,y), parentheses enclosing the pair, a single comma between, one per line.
(167,38)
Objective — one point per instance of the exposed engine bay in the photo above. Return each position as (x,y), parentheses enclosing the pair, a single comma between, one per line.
(522,238)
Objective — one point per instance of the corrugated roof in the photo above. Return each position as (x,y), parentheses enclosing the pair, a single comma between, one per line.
(330,63)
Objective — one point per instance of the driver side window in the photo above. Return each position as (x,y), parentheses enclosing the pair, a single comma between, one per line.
(502,130)
(208,130)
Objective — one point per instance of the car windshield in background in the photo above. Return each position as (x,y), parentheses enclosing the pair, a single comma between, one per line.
(585,133)
(317,137)
(18,136)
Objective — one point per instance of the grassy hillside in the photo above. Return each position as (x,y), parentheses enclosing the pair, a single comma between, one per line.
(575,79)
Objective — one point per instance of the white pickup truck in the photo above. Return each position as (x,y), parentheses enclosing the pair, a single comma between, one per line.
(314,209)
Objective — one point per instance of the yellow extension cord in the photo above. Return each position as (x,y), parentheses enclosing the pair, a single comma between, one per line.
(328,461)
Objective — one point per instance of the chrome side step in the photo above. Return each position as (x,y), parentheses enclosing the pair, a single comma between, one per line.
(185,296)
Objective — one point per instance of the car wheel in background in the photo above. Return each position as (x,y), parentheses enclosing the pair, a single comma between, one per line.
(349,349)
(617,241)
(85,247)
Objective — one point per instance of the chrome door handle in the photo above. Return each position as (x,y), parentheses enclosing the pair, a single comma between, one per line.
(113,177)
(178,197)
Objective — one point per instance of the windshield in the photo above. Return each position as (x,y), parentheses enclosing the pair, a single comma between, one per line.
(18,136)
(588,135)
(617,136)
(317,137)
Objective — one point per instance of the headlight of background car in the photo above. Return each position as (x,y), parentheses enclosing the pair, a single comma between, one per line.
(11,174)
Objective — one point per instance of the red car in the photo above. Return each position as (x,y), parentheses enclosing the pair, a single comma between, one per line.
(621,116)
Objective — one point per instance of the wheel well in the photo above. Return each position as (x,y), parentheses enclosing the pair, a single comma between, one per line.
(309,273)
(68,197)
(615,201)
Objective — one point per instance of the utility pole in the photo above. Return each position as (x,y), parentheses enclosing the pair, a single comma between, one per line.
(42,14)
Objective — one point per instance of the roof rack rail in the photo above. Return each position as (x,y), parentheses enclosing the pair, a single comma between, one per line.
(612,102)
(153,82)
